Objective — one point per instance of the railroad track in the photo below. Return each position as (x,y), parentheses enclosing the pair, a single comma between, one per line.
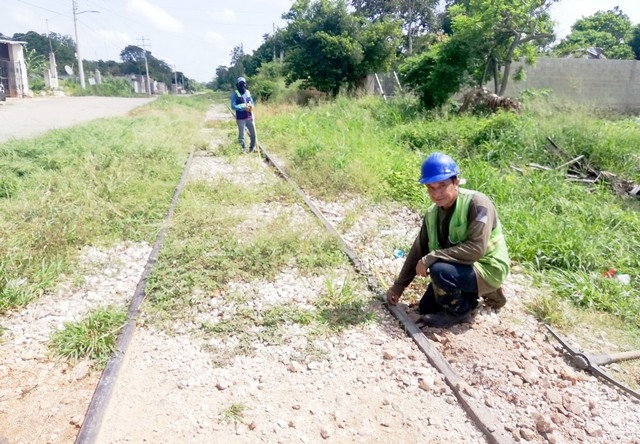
(469,391)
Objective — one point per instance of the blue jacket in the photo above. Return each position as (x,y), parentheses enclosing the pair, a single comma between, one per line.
(239,104)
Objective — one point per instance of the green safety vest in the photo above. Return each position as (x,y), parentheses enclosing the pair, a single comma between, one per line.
(494,266)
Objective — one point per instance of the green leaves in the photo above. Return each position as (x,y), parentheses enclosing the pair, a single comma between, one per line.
(610,30)
(329,48)
(486,38)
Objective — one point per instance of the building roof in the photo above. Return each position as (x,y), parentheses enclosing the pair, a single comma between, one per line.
(12,42)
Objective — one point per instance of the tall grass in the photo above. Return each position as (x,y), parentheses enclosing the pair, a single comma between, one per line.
(108,180)
(566,233)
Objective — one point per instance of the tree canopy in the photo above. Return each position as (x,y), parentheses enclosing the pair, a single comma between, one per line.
(612,31)
(64,47)
(327,47)
(416,16)
(635,41)
(133,63)
(486,38)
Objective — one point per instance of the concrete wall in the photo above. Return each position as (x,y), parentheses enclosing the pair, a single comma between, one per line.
(604,83)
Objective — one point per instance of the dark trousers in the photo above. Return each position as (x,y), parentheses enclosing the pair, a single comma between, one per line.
(453,288)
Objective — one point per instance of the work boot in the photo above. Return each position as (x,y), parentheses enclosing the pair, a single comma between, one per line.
(495,299)
(443,319)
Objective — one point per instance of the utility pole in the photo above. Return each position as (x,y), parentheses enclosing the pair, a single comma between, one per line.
(51,78)
(75,27)
(175,78)
(146,65)
(49,35)
(274,42)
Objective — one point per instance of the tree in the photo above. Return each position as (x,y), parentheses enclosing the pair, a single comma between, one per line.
(133,58)
(610,30)
(486,38)
(64,47)
(270,50)
(415,15)
(635,41)
(327,47)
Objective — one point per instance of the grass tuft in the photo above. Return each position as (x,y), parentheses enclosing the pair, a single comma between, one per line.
(92,338)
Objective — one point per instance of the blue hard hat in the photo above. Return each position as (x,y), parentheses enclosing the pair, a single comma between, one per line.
(241,80)
(438,167)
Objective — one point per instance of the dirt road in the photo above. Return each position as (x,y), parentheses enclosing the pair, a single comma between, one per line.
(21,118)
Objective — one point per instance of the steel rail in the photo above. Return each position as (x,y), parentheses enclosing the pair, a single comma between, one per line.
(481,416)
(101,395)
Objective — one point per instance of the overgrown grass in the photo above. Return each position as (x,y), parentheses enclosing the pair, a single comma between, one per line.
(106,181)
(215,240)
(208,248)
(92,338)
(565,233)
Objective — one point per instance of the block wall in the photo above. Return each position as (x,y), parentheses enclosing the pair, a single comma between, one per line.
(604,83)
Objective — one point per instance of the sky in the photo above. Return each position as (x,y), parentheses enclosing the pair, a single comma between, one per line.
(196,36)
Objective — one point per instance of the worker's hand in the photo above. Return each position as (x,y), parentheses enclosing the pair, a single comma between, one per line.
(249,107)
(421,269)
(392,296)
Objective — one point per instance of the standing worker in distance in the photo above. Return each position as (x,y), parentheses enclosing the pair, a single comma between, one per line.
(460,246)
(242,105)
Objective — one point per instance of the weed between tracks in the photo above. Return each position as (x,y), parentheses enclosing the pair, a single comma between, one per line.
(227,263)
(234,413)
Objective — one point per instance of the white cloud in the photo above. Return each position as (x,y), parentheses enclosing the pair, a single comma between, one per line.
(226,16)
(114,37)
(156,15)
(24,18)
(215,39)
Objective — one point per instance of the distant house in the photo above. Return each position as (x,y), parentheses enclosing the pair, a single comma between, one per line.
(13,69)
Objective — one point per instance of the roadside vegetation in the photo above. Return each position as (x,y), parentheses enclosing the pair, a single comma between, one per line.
(103,182)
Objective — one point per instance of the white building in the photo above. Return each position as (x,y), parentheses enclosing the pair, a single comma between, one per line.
(13,69)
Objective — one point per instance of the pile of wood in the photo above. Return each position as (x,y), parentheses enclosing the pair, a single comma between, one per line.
(481,100)
(578,170)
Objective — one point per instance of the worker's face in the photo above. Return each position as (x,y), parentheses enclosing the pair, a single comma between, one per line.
(443,193)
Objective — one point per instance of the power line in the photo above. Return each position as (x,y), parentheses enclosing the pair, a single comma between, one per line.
(45,9)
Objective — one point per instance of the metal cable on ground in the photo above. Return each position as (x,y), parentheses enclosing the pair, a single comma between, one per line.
(482,417)
(99,401)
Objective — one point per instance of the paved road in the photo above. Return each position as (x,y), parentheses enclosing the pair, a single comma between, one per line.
(29,117)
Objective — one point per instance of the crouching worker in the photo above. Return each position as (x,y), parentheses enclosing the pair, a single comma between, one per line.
(460,246)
